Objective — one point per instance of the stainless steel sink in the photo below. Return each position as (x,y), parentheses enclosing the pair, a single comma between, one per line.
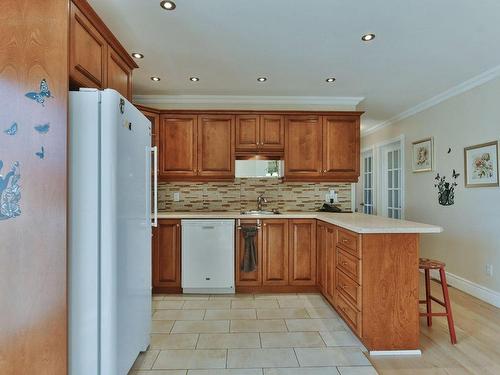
(260,212)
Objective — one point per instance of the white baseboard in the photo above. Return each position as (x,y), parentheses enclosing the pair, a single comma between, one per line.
(395,352)
(479,291)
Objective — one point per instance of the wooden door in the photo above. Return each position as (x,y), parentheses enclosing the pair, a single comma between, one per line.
(216,146)
(303,147)
(248,278)
(247,133)
(341,138)
(272,133)
(153,116)
(330,263)
(167,254)
(275,252)
(33,191)
(177,146)
(88,52)
(119,74)
(321,256)
(302,251)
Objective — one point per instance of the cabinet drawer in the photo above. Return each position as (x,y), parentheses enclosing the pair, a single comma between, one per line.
(349,241)
(349,288)
(351,315)
(349,264)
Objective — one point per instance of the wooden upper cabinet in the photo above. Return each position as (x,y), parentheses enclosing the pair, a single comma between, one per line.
(253,278)
(272,133)
(260,133)
(247,132)
(341,139)
(167,254)
(119,74)
(216,135)
(302,251)
(96,57)
(87,53)
(275,251)
(178,146)
(303,147)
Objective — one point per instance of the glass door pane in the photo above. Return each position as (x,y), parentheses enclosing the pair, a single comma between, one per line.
(368,194)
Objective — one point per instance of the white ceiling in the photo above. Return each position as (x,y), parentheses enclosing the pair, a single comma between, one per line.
(422,47)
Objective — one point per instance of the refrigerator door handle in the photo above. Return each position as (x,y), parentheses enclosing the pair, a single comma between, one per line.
(155,186)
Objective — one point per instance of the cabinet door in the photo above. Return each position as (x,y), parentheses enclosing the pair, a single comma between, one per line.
(167,254)
(302,252)
(216,146)
(177,149)
(247,133)
(248,278)
(303,147)
(341,147)
(87,52)
(321,256)
(330,263)
(119,74)
(275,252)
(272,133)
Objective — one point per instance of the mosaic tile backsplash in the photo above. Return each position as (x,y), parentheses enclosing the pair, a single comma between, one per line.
(242,195)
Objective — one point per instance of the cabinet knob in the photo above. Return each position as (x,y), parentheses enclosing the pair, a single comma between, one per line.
(324,170)
(177,225)
(344,263)
(345,240)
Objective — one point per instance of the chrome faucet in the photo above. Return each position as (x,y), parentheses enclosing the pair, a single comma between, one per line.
(260,199)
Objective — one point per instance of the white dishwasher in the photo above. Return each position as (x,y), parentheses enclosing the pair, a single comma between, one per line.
(207,256)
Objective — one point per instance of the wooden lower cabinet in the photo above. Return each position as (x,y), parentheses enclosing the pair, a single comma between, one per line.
(329,289)
(275,251)
(167,256)
(302,252)
(252,279)
(321,256)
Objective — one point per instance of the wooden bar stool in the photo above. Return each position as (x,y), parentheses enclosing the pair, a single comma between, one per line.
(427,265)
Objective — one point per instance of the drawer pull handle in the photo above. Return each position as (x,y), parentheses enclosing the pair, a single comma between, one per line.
(345,240)
(344,263)
(207,227)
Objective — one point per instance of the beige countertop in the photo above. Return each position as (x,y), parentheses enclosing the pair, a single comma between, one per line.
(356,222)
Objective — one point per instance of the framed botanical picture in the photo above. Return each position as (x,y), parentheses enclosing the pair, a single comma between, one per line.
(423,155)
(481,165)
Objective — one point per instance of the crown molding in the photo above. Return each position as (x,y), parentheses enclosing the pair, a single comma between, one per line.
(435,100)
(262,102)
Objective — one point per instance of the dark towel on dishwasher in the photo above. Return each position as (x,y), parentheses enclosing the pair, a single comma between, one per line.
(249,262)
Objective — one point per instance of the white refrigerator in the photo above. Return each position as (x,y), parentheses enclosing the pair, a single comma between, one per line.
(109,232)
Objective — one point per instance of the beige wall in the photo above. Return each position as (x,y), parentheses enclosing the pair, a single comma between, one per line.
(471,236)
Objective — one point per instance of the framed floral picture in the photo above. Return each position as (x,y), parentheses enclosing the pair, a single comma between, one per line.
(481,165)
(423,155)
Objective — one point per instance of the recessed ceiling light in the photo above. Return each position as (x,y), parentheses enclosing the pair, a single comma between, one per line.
(262,79)
(137,55)
(168,5)
(156,79)
(194,79)
(368,37)
(330,80)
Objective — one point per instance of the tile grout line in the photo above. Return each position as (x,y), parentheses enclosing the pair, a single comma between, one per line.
(156,358)
(296,357)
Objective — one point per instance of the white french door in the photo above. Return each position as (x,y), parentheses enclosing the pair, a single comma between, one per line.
(368,187)
(392,180)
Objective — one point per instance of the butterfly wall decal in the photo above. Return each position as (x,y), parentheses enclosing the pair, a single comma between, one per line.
(43,94)
(42,129)
(12,130)
(41,153)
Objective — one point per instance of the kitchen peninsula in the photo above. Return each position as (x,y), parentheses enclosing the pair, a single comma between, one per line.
(365,266)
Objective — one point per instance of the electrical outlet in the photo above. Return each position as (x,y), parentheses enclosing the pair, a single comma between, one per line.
(177,196)
(489,270)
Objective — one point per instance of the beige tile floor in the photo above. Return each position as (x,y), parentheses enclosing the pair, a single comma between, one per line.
(246,334)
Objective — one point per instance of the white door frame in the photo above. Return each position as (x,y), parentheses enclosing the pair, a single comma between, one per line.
(381,184)
(374,177)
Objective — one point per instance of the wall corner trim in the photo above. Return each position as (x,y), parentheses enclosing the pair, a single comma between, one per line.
(471,83)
